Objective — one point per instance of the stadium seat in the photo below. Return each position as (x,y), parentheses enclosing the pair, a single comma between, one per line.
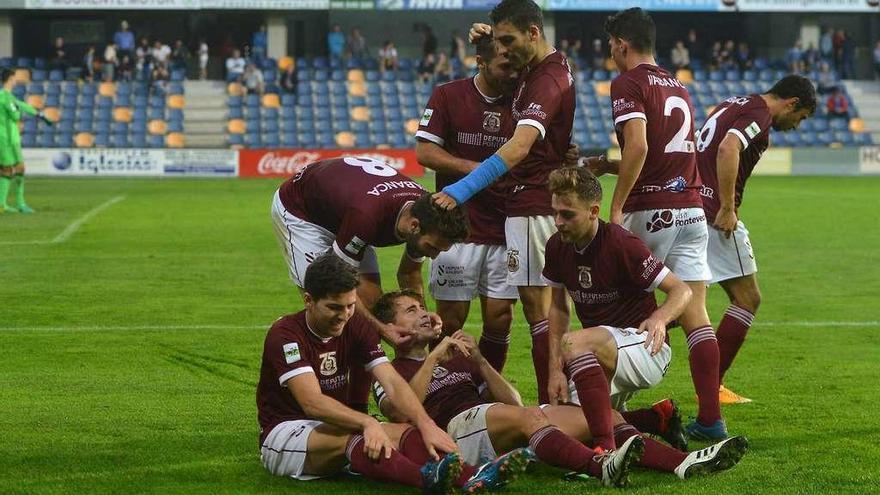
(84,140)
(345,140)
(35,100)
(52,113)
(122,114)
(838,124)
(156,141)
(820,124)
(235,140)
(157,127)
(175,140)
(46,140)
(56,75)
(236,126)
(856,125)
(285,62)
(138,140)
(176,101)
(603,89)
(234,89)
(685,76)
(29,140)
(360,114)
(175,126)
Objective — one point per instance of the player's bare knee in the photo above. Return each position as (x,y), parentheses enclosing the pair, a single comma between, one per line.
(533,419)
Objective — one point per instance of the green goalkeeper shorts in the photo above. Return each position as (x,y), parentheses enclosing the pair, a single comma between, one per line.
(10,155)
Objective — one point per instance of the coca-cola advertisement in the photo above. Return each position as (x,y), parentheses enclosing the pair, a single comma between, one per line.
(283,163)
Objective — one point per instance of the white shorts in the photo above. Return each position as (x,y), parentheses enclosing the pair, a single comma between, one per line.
(731,257)
(636,369)
(283,453)
(470,269)
(526,240)
(302,242)
(679,237)
(470,432)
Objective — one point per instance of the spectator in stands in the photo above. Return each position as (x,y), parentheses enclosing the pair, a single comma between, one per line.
(180,56)
(124,71)
(260,43)
(429,41)
(426,68)
(357,44)
(877,60)
(58,59)
(744,56)
(111,60)
(598,55)
(203,59)
(253,79)
(289,79)
(89,64)
(837,43)
(696,50)
(388,57)
(848,70)
(336,42)
(826,81)
(457,46)
(143,58)
(837,105)
(124,40)
(795,58)
(811,57)
(160,77)
(161,53)
(728,56)
(680,56)
(826,44)
(443,69)
(235,65)
(570,49)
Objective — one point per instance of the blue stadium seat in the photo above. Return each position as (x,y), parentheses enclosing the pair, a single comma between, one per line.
(838,124)
(806,125)
(29,140)
(304,100)
(397,140)
(74,73)
(30,126)
(156,141)
(269,64)
(84,125)
(322,101)
(307,139)
(358,126)
(175,126)
(253,124)
(123,100)
(379,138)
(235,140)
(65,140)
(35,89)
(288,99)
(46,140)
(303,75)
(732,75)
(765,75)
(320,63)
(174,88)
(749,75)
(389,76)
(119,128)
(157,101)
(139,115)
(102,140)
(289,140)
(138,140)
(175,115)
(844,137)
(320,76)
(56,75)
(178,75)
(65,126)
(139,127)
(156,113)
(824,138)
(270,126)
(38,75)
(68,102)
(288,125)
(119,141)
(24,63)
(140,101)
(271,140)
(372,76)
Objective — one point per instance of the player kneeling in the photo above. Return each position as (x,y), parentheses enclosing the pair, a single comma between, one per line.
(307,429)
(484,414)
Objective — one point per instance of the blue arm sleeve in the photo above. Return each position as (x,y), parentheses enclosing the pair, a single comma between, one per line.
(486,173)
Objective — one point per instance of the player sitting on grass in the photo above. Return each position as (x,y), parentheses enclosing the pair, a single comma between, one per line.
(308,431)
(484,414)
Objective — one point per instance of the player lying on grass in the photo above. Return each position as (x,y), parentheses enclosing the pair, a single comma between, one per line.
(307,429)
(484,414)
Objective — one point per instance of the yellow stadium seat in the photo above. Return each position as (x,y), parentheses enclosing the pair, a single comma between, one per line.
(610,66)
(271,100)
(857,125)
(176,101)
(383,147)
(284,63)
(84,140)
(345,139)
(157,127)
(685,76)
(710,109)
(107,89)
(122,114)
(357,89)
(411,126)
(603,88)
(234,89)
(236,126)
(52,113)
(175,140)
(35,101)
(22,76)
(355,75)
(361,114)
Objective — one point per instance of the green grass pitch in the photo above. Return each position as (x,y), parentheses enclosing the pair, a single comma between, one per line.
(131,348)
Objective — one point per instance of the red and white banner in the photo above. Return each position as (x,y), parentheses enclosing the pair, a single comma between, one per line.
(283,163)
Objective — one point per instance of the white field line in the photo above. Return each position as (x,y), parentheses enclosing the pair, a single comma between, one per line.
(115,328)
(72,227)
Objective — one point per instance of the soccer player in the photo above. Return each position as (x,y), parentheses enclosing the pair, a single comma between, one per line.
(543,108)
(307,430)
(351,205)
(11,162)
(611,276)
(465,121)
(729,145)
(657,193)
(484,414)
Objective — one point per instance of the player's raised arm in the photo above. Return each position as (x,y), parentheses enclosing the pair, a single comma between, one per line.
(559,319)
(632,159)
(728,166)
(498,389)
(433,156)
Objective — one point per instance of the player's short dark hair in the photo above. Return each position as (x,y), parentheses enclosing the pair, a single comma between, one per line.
(634,26)
(384,309)
(5,74)
(486,48)
(792,86)
(328,275)
(451,224)
(575,180)
(521,13)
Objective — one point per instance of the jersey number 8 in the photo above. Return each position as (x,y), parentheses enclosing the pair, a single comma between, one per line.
(371,166)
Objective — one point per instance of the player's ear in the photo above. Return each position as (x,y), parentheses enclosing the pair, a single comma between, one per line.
(534,32)
(594,210)
(414,226)
(308,299)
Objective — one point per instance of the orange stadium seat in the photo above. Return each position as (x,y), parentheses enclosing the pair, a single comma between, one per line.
(603,88)
(345,139)
(52,113)
(271,100)
(175,140)
(122,114)
(685,76)
(610,66)
(107,89)
(176,101)
(411,126)
(357,89)
(284,63)
(236,126)
(22,75)
(356,76)
(157,127)
(710,109)
(234,89)
(857,125)
(84,140)
(383,147)
(360,114)
(35,101)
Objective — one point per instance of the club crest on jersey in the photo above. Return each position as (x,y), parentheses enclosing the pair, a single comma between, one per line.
(426,117)
(291,352)
(328,363)
(491,121)
(677,184)
(439,372)
(513,260)
(585,277)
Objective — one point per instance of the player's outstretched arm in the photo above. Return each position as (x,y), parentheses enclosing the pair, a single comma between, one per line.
(558,320)
(632,160)
(727,162)
(498,389)
(678,295)
(436,158)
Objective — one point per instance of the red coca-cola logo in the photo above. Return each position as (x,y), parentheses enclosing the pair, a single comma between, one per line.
(289,162)
(274,163)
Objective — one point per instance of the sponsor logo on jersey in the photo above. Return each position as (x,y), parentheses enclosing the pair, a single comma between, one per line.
(328,363)
(660,220)
(439,372)
(648,266)
(585,277)
(534,110)
(676,184)
(491,121)
(753,130)
(291,352)
(620,104)
(707,192)
(426,117)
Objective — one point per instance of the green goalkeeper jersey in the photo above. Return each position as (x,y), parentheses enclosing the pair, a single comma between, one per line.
(11,109)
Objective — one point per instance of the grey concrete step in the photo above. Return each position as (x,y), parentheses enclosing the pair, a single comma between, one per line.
(204,114)
(204,127)
(205,140)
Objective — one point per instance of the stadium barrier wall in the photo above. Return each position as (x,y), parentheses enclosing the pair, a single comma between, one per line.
(287,162)
(134,162)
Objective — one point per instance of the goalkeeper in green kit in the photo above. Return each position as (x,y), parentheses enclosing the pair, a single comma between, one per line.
(11,163)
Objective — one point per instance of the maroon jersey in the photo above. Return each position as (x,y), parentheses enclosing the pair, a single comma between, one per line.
(455,387)
(358,199)
(545,99)
(611,281)
(669,178)
(291,349)
(746,117)
(470,125)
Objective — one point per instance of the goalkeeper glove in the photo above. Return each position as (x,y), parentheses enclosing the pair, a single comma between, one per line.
(45,119)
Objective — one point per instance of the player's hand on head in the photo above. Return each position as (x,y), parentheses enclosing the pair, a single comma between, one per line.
(436,323)
(376,442)
(656,330)
(395,334)
(478,30)
(572,155)
(444,200)
(436,440)
(725,221)
(557,387)
(595,164)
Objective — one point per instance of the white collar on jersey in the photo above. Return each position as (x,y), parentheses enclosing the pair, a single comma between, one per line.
(489,99)
(322,339)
